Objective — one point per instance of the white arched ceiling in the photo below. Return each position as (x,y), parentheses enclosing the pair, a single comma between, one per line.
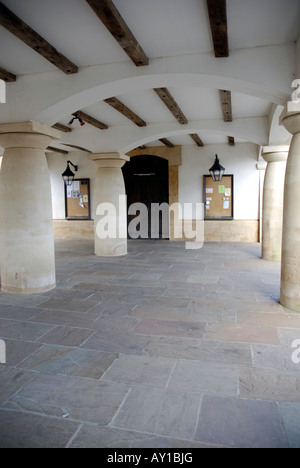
(261,65)
(246,72)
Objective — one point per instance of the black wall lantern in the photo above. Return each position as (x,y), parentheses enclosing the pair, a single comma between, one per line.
(217,171)
(68,175)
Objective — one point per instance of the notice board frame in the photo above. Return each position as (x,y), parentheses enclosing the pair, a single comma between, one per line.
(217,198)
(69,209)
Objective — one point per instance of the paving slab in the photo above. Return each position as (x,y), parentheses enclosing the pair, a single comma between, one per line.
(69,361)
(108,437)
(67,304)
(17,351)
(242,333)
(205,377)
(291,419)
(115,342)
(66,336)
(140,370)
(152,410)
(269,384)
(12,380)
(70,398)
(163,313)
(200,350)
(22,430)
(274,357)
(171,328)
(65,318)
(26,331)
(240,423)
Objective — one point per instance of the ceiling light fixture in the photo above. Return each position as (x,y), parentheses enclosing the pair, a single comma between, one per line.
(76,117)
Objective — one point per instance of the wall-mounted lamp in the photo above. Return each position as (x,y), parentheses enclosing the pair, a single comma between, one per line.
(76,117)
(217,171)
(68,175)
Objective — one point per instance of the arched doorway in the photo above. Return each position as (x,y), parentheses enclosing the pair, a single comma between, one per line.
(147,182)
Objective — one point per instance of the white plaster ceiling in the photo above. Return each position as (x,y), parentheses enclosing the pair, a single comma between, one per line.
(164,28)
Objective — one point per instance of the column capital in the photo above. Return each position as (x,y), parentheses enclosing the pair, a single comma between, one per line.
(109,160)
(275,153)
(29,134)
(290,120)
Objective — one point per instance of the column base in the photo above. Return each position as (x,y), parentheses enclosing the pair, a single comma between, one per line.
(12,290)
(292,304)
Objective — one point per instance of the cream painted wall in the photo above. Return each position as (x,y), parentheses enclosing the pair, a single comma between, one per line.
(239,160)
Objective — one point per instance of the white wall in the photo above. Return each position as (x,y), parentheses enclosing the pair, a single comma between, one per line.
(239,160)
(57,164)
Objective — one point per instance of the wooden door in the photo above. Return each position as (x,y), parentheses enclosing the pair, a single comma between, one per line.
(147,182)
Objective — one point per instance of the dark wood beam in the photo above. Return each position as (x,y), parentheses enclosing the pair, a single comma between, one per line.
(231,141)
(80,148)
(26,34)
(226,105)
(124,110)
(111,18)
(171,104)
(217,12)
(197,139)
(61,127)
(90,120)
(57,150)
(166,142)
(7,76)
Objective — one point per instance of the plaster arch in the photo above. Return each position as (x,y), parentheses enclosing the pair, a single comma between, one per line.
(254,130)
(126,138)
(278,135)
(89,96)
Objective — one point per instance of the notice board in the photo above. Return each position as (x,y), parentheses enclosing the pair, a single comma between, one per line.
(218,197)
(77,199)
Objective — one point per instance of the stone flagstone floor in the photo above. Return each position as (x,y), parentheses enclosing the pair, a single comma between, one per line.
(163,348)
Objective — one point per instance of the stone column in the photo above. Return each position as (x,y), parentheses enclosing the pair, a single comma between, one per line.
(290,268)
(276,158)
(110,205)
(26,226)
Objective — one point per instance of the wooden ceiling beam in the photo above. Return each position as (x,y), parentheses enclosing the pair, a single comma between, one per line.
(226,105)
(111,18)
(7,76)
(61,127)
(217,12)
(26,34)
(80,148)
(57,150)
(197,140)
(124,110)
(171,104)
(166,142)
(90,120)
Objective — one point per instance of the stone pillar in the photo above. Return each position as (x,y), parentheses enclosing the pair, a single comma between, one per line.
(110,205)
(290,268)
(26,227)
(261,166)
(276,158)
